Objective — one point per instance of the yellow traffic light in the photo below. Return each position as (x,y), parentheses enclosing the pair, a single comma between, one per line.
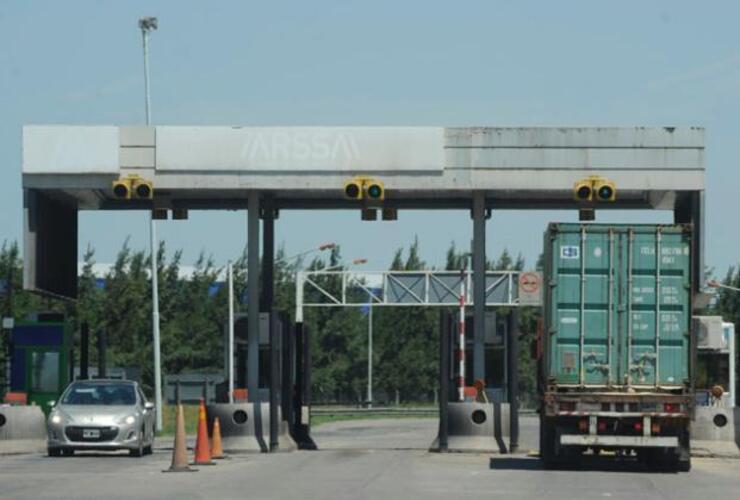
(353,189)
(583,190)
(594,188)
(367,188)
(142,188)
(374,190)
(132,186)
(122,188)
(605,190)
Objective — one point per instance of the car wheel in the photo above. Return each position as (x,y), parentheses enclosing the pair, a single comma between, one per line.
(139,450)
(54,452)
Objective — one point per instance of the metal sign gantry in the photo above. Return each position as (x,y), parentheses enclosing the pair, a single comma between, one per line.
(432,288)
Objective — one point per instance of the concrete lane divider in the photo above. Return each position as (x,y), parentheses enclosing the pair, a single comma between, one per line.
(477,427)
(245,427)
(22,429)
(715,431)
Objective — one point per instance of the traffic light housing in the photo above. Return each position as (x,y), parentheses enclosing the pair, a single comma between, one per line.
(594,188)
(122,188)
(364,188)
(132,186)
(353,189)
(583,190)
(142,188)
(605,190)
(374,190)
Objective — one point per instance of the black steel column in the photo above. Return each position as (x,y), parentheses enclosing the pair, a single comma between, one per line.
(287,378)
(479,286)
(268,255)
(302,427)
(84,350)
(275,327)
(513,377)
(253,302)
(102,350)
(444,378)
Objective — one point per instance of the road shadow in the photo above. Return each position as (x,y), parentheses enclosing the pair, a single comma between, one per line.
(514,463)
(584,464)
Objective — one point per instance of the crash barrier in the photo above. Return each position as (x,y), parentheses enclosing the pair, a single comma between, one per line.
(476,427)
(716,423)
(241,430)
(22,429)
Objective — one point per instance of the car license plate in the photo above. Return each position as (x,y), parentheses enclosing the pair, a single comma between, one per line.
(91,433)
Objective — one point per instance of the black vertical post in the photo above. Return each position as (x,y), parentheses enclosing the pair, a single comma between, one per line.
(286,377)
(307,377)
(302,426)
(253,305)
(444,378)
(102,349)
(513,376)
(274,379)
(268,255)
(84,350)
(479,286)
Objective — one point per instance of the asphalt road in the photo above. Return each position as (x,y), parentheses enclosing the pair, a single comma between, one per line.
(361,459)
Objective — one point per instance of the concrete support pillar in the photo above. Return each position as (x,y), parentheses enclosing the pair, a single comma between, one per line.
(253,296)
(479,285)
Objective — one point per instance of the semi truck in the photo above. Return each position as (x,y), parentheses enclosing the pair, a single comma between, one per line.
(615,353)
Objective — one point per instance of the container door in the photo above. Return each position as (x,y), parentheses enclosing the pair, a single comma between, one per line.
(584,295)
(658,274)
(597,335)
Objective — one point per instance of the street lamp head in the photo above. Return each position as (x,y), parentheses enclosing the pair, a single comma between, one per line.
(359,261)
(148,23)
(327,246)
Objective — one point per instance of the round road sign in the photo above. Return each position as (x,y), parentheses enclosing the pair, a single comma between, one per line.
(529,282)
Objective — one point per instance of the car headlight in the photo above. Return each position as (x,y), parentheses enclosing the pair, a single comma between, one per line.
(56,418)
(130,419)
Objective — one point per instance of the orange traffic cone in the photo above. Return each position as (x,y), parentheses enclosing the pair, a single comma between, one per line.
(202,448)
(179,451)
(217,449)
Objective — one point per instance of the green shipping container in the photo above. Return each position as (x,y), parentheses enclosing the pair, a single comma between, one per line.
(618,306)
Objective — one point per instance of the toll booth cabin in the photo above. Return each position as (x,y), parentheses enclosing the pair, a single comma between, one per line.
(40,359)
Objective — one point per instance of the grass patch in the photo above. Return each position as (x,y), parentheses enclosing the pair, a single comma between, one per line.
(317,420)
(168,419)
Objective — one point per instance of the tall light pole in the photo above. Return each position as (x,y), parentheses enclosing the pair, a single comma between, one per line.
(370,351)
(147,25)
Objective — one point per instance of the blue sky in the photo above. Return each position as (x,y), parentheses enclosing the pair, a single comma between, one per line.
(374,63)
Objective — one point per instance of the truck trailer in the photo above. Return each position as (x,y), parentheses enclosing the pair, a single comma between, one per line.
(615,353)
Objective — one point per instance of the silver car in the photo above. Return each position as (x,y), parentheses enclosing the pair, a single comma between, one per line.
(101,415)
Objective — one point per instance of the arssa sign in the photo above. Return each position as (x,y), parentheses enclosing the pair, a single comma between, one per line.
(340,149)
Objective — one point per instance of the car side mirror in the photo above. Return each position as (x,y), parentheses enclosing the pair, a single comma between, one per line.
(148,406)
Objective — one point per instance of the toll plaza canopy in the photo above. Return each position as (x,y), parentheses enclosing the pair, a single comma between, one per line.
(70,168)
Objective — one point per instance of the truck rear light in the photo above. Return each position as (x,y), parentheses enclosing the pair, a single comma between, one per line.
(655,428)
(671,408)
(583,425)
(567,406)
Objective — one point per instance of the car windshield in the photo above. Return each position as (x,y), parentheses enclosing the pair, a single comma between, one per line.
(100,394)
